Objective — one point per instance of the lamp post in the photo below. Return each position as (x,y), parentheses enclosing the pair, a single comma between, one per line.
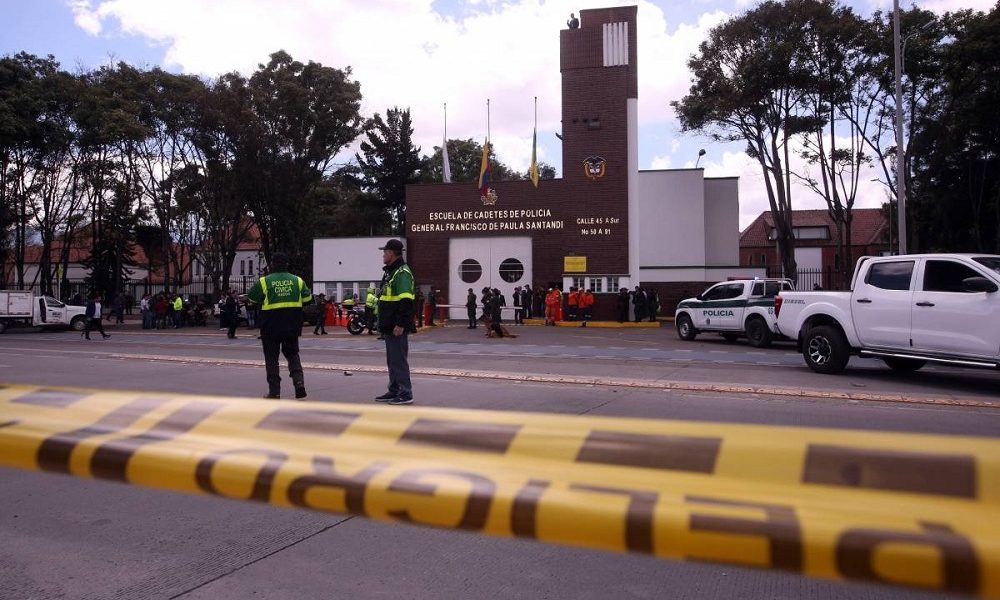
(700,154)
(900,150)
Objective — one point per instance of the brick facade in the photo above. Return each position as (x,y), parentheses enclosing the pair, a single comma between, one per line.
(572,216)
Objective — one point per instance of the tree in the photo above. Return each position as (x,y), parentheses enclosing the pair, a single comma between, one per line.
(465,158)
(956,183)
(389,161)
(303,114)
(749,86)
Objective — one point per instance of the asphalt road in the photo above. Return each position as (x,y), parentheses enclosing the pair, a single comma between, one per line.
(71,538)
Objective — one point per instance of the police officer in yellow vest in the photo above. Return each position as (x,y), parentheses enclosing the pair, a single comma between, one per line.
(281,296)
(371,309)
(395,321)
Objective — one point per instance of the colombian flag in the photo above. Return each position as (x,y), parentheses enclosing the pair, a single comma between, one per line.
(533,170)
(484,171)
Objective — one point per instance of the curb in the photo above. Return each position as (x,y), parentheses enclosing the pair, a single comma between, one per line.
(604,382)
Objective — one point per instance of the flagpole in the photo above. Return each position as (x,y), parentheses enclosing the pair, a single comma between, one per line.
(487,120)
(446,122)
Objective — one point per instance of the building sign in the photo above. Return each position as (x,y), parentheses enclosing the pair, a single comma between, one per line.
(534,219)
(574,264)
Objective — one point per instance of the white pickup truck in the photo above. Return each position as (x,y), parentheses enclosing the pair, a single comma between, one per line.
(25,308)
(905,310)
(733,309)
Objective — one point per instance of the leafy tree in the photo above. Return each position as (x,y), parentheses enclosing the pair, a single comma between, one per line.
(303,115)
(389,161)
(956,186)
(465,158)
(750,86)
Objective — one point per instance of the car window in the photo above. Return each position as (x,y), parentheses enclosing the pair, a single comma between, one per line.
(894,275)
(771,289)
(712,293)
(732,290)
(758,288)
(946,276)
(990,262)
(785,286)
(49,300)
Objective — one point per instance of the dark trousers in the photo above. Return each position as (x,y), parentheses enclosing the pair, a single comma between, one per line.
(233,322)
(321,323)
(289,346)
(397,348)
(94,324)
(472,318)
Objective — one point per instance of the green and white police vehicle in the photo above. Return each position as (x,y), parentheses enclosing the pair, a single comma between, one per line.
(743,307)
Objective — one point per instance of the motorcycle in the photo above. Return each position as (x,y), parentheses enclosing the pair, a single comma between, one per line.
(356,322)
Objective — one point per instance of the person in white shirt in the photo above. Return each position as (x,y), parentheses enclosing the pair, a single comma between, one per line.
(93,314)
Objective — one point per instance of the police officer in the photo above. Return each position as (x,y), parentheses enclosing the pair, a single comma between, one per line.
(371,308)
(281,296)
(395,321)
(470,307)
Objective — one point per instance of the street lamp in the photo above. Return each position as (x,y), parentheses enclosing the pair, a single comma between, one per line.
(700,154)
(900,152)
(899,51)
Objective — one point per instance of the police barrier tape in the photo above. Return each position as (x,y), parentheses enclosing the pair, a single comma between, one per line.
(906,509)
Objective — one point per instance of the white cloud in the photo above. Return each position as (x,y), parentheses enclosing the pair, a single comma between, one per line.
(661,162)
(405,53)
(85,17)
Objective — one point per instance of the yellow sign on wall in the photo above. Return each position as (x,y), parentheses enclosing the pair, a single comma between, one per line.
(574,264)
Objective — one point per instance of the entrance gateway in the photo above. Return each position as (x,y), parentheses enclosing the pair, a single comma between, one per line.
(495,262)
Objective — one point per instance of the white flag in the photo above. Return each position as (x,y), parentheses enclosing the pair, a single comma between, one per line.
(444,159)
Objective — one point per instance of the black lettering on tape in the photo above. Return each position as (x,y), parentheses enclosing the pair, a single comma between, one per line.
(326,476)
(461,435)
(297,420)
(895,470)
(524,512)
(668,452)
(54,452)
(56,398)
(780,526)
(477,505)
(638,518)
(110,460)
(262,483)
(959,565)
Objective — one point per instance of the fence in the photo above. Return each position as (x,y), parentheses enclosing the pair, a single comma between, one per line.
(826,278)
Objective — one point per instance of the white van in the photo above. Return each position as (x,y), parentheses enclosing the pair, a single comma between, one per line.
(30,310)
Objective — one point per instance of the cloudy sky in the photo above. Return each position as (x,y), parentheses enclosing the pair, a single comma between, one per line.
(421,54)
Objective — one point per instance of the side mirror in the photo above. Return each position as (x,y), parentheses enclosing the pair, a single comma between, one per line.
(978,284)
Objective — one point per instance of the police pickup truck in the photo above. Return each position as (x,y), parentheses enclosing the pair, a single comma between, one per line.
(736,308)
(25,308)
(906,310)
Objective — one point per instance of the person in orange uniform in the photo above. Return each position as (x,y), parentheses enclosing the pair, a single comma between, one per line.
(586,306)
(552,301)
(573,303)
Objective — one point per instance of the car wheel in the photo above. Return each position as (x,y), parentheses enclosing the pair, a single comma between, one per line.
(825,349)
(730,337)
(685,329)
(904,365)
(758,333)
(78,323)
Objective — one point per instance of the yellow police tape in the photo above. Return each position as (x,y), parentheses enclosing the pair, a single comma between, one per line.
(916,510)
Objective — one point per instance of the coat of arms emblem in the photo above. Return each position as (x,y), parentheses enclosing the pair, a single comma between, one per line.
(594,167)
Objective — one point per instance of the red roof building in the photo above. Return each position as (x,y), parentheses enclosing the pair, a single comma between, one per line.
(815,241)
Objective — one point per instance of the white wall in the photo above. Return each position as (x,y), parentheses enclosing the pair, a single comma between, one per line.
(722,222)
(345,265)
(672,223)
